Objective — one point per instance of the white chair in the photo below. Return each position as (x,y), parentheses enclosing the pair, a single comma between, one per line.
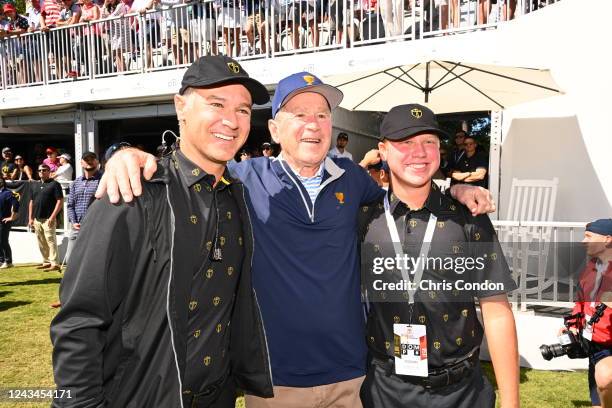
(531,202)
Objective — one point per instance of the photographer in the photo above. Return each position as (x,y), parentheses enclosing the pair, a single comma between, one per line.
(595,287)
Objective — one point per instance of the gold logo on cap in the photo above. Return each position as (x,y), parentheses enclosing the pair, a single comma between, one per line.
(416,112)
(309,79)
(235,68)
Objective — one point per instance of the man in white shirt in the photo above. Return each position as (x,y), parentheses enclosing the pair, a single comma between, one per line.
(64,171)
(340,149)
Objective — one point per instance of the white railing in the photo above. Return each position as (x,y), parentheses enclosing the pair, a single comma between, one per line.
(545,259)
(174,36)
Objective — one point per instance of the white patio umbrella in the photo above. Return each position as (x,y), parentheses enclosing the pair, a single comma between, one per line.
(444,86)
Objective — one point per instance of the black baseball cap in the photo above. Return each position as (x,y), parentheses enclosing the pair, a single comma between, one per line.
(89,155)
(409,120)
(222,70)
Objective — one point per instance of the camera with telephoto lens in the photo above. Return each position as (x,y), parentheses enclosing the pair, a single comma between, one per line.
(574,345)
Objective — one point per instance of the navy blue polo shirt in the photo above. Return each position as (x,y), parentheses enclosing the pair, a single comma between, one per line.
(306,269)
(7,202)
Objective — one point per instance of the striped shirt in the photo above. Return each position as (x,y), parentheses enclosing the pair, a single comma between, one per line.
(311,184)
(50,10)
(81,195)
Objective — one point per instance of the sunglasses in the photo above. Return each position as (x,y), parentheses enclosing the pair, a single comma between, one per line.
(42,170)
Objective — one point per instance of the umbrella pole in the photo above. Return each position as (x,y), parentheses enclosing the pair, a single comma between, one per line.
(427,90)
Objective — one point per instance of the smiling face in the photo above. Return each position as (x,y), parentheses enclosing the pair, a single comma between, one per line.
(413,160)
(303,128)
(214,123)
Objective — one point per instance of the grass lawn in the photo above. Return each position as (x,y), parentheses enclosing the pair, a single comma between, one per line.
(25,347)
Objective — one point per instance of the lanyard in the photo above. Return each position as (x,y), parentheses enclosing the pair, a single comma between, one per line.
(399,251)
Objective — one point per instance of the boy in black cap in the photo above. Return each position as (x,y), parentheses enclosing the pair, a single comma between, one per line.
(425,338)
(153,285)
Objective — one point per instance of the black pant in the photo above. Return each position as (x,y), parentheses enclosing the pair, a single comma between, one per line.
(380,390)
(6,255)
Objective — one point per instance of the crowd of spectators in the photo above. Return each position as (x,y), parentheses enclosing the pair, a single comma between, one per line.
(104,40)
(16,168)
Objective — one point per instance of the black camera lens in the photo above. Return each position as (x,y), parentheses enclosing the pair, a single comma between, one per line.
(551,351)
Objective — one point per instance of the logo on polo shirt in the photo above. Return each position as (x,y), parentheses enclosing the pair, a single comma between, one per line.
(417,113)
(340,197)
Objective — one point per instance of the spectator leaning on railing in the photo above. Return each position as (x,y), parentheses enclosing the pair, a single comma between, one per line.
(51,161)
(33,13)
(151,26)
(22,171)
(90,12)
(230,21)
(69,14)
(12,23)
(121,38)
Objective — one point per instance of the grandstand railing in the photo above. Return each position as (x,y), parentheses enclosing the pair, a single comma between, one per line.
(173,37)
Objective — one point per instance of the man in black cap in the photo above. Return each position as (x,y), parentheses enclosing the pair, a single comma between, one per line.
(340,149)
(153,285)
(423,331)
(8,165)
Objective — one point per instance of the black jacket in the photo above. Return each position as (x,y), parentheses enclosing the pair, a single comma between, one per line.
(120,338)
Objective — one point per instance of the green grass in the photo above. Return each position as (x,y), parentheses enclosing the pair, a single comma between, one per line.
(25,346)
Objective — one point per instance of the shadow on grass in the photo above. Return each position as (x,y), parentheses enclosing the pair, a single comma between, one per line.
(45,281)
(9,305)
(2,294)
(576,403)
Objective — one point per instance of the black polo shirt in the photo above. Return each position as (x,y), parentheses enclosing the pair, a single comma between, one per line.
(44,197)
(214,285)
(448,312)
(470,164)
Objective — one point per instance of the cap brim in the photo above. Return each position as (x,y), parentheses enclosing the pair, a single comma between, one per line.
(332,94)
(259,93)
(413,131)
